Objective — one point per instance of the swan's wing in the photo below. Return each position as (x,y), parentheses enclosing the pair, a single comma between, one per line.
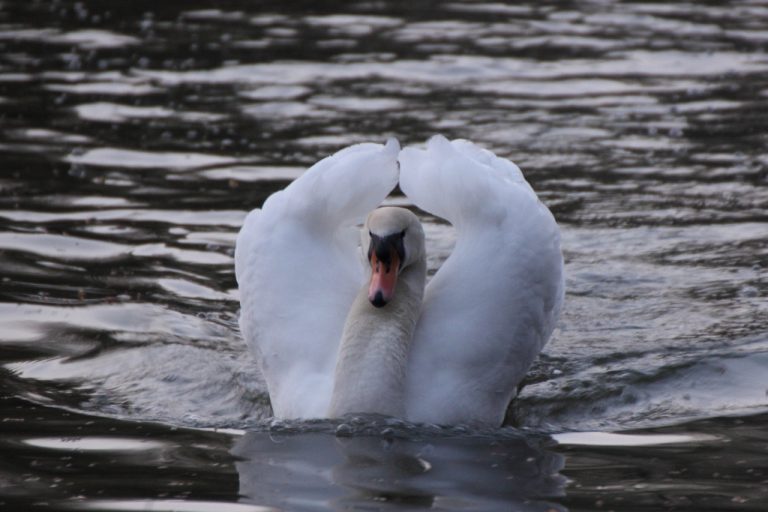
(298,268)
(495,301)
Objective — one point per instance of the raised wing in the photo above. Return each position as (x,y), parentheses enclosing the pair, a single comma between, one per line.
(494,303)
(298,269)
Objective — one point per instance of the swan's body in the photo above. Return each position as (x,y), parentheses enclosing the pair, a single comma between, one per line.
(306,305)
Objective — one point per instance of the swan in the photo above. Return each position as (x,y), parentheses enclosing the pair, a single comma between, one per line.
(340,320)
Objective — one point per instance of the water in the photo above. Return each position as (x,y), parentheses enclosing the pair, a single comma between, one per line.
(135,137)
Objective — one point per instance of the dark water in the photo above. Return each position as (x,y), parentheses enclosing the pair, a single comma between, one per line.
(134,137)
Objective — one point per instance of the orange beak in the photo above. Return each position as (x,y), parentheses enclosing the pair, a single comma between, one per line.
(383,279)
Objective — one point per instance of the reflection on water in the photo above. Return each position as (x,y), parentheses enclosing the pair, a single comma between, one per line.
(322,472)
(136,135)
(64,460)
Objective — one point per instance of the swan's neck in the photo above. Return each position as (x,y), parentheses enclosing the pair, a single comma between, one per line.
(371,367)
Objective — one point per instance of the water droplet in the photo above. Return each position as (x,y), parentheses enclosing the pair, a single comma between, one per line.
(344,430)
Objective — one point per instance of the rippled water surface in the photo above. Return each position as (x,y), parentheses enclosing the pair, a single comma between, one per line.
(136,135)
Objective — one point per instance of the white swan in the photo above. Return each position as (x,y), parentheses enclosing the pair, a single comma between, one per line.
(484,316)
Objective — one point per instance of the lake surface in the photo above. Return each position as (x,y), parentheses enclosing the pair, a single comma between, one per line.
(136,135)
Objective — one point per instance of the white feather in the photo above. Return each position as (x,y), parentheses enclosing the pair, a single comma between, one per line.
(298,270)
(495,301)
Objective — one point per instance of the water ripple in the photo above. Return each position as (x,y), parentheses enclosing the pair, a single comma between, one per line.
(130,165)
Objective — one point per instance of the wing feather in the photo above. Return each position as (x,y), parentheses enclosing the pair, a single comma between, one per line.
(298,269)
(494,303)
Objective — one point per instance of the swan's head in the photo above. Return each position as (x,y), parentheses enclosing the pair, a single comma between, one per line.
(394,239)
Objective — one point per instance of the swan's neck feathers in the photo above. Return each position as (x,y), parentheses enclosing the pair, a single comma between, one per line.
(371,367)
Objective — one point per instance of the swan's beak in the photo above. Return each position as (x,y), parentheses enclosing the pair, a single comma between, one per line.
(383,278)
